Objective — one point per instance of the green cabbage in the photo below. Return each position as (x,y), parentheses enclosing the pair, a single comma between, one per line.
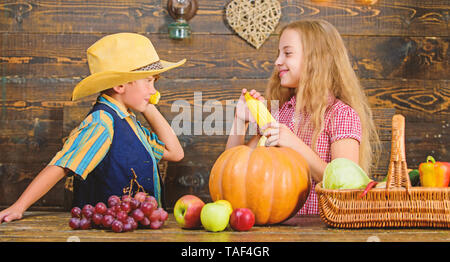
(342,173)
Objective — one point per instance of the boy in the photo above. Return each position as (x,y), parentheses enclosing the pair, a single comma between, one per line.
(110,142)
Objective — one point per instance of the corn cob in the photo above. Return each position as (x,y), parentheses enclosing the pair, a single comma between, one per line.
(154,99)
(262,141)
(259,111)
(260,114)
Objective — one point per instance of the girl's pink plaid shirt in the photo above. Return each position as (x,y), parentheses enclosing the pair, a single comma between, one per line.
(340,122)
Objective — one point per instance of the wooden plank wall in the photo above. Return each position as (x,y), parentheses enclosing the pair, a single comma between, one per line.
(399,49)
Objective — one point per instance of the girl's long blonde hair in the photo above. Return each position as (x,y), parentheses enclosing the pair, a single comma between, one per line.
(326,70)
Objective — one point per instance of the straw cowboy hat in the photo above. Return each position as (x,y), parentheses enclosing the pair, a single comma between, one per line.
(118,59)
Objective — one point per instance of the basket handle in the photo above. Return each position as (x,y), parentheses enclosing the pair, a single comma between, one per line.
(397,173)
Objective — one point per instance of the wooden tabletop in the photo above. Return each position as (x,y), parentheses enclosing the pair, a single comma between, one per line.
(40,226)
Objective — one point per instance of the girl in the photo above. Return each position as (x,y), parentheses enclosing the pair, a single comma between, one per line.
(324,112)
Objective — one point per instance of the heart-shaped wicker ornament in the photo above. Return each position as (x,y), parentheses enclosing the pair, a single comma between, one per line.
(253,20)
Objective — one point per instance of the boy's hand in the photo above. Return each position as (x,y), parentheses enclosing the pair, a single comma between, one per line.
(242,111)
(10,214)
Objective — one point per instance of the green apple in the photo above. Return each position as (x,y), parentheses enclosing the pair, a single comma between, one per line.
(226,203)
(215,217)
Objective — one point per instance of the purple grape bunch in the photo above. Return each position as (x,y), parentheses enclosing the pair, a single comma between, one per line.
(120,214)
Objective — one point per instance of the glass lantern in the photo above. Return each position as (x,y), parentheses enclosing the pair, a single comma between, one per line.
(182,11)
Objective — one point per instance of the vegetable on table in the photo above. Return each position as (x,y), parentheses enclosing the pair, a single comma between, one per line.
(434,174)
(273,182)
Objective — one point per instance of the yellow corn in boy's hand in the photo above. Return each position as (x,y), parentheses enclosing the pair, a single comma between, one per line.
(154,99)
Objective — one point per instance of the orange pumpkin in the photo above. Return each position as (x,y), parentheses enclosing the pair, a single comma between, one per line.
(274,182)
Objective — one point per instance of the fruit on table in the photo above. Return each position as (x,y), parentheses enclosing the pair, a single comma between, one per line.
(137,214)
(122,214)
(117,226)
(126,198)
(107,221)
(88,211)
(74,222)
(113,201)
(226,203)
(97,219)
(187,211)
(76,212)
(215,217)
(242,219)
(140,196)
(147,208)
(100,208)
(434,174)
(257,178)
(85,223)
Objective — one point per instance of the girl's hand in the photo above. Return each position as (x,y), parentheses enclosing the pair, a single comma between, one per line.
(10,214)
(242,111)
(278,134)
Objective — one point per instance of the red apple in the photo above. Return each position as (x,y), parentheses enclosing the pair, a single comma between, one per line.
(242,219)
(187,211)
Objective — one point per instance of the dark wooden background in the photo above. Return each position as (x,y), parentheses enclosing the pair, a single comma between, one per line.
(399,49)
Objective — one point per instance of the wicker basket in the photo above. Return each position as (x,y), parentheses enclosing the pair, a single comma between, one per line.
(397,205)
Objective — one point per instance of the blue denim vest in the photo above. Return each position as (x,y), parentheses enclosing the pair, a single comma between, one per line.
(113,173)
